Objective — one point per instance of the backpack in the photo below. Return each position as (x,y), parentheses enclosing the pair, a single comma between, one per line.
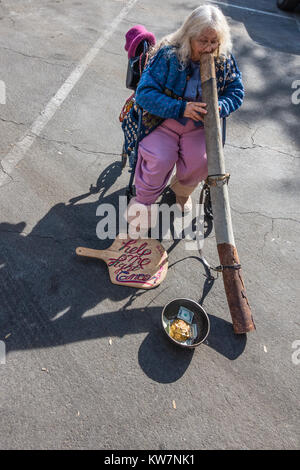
(135,68)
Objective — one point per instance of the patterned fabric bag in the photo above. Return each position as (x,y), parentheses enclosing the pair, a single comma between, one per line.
(127,107)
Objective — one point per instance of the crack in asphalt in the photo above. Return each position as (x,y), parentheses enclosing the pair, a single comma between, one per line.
(269,148)
(266,216)
(254,145)
(14,122)
(5,173)
(62,142)
(42,59)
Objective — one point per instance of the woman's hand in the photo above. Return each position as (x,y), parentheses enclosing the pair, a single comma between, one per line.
(193,109)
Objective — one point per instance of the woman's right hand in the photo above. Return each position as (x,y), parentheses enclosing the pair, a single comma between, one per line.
(193,109)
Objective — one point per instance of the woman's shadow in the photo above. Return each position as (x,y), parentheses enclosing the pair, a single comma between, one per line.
(46,289)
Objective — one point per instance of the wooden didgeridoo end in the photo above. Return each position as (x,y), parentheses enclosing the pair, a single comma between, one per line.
(239,307)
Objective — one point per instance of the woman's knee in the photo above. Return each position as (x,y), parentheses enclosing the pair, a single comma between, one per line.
(193,173)
(158,161)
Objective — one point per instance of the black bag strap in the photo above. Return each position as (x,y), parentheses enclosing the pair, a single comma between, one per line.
(136,66)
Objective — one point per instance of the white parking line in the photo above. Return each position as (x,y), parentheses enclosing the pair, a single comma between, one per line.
(18,152)
(253,10)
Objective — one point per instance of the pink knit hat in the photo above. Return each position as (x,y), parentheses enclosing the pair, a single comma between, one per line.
(134,36)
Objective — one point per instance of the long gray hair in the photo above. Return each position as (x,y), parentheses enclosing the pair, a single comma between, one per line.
(205,16)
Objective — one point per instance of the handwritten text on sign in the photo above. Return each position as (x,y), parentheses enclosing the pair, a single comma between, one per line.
(135,257)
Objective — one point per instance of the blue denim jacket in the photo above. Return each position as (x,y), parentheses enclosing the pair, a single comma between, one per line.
(161,90)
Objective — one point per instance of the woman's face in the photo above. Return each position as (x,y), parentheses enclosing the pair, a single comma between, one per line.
(206,42)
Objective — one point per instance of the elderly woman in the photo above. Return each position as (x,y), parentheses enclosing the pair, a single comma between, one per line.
(169,92)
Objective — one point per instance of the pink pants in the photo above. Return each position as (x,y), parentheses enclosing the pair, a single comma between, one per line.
(169,144)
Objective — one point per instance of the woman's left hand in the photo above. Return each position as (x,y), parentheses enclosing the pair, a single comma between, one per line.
(193,110)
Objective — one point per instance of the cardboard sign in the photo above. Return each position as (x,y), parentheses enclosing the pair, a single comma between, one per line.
(141,263)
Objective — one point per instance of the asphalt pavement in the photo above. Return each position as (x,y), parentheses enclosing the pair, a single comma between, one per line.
(86,363)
